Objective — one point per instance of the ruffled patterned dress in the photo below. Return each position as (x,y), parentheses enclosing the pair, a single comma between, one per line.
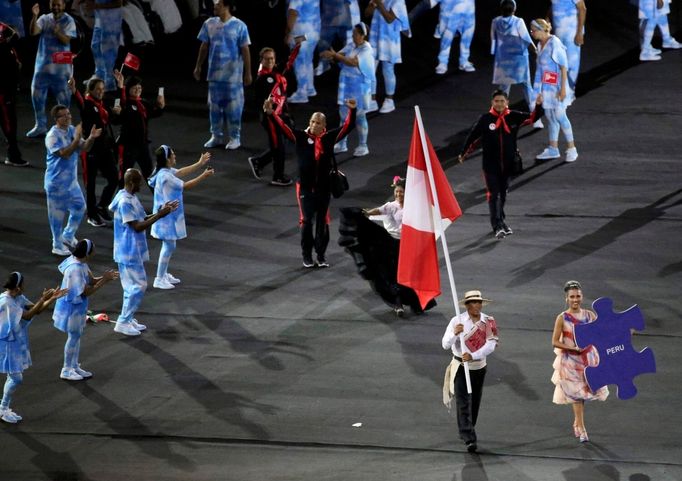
(569,367)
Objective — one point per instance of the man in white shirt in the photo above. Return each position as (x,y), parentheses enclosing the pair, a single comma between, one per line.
(480,340)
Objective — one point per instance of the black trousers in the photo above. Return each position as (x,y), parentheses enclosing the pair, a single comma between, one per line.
(497,186)
(314,208)
(99,160)
(8,122)
(276,151)
(468,404)
(131,153)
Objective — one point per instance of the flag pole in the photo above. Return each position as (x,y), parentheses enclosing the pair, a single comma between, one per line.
(439,232)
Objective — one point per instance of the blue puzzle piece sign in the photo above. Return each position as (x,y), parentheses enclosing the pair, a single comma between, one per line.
(610,334)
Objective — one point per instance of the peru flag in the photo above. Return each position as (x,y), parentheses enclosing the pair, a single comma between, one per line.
(418,260)
(132,61)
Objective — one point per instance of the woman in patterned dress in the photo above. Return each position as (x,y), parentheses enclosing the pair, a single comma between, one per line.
(16,313)
(355,82)
(551,80)
(571,361)
(168,186)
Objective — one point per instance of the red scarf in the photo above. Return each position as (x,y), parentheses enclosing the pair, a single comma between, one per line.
(500,119)
(318,143)
(101,109)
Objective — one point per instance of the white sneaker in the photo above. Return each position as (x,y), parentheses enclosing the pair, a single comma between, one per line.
(648,56)
(657,51)
(36,131)
(538,124)
(138,326)
(298,98)
(467,67)
(162,283)
(312,93)
(8,416)
(549,153)
(340,148)
(172,279)
(321,68)
(360,151)
(373,106)
(672,43)
(571,154)
(233,144)
(61,251)
(441,68)
(70,242)
(387,106)
(126,328)
(214,142)
(82,372)
(70,374)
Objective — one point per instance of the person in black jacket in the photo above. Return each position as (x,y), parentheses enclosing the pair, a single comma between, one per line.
(101,155)
(9,81)
(315,152)
(496,132)
(133,139)
(275,82)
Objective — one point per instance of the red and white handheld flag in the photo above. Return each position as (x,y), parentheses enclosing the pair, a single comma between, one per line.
(132,61)
(63,57)
(422,223)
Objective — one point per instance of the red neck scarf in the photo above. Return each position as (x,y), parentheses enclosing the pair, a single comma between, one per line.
(318,142)
(500,119)
(101,109)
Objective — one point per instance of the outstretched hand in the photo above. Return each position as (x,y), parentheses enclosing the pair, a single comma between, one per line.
(110,275)
(168,207)
(205,157)
(94,131)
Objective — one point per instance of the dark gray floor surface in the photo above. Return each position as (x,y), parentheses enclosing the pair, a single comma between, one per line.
(254,368)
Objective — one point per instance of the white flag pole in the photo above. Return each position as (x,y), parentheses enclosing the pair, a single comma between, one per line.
(439,231)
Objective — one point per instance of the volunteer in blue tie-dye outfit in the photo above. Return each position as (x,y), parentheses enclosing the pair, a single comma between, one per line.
(16,313)
(71,310)
(56,30)
(303,20)
(168,186)
(225,41)
(64,143)
(551,80)
(456,16)
(652,14)
(130,248)
(389,18)
(338,19)
(355,82)
(568,18)
(509,39)
(106,38)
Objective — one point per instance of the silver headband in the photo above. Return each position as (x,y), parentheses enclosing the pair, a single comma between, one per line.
(19,277)
(166,150)
(535,24)
(88,251)
(363,27)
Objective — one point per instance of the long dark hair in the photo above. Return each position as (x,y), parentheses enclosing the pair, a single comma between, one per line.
(162,154)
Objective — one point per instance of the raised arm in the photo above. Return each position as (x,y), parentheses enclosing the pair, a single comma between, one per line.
(203,160)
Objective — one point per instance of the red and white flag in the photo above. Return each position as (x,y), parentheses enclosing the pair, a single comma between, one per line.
(63,57)
(418,260)
(132,61)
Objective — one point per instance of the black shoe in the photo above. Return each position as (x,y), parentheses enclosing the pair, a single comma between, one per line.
(16,163)
(499,233)
(308,261)
(507,230)
(255,169)
(95,221)
(104,214)
(281,181)
(321,262)
(471,446)
(399,311)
